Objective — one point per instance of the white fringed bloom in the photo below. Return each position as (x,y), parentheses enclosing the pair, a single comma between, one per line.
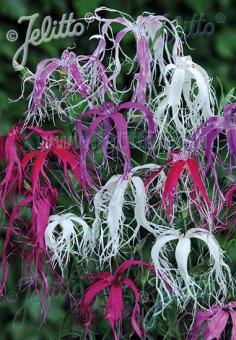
(188,93)
(217,279)
(67,234)
(111,228)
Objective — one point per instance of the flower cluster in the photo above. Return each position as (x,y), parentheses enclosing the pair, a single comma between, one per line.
(142,173)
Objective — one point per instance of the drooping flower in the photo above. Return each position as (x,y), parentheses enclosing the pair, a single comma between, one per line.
(81,74)
(178,163)
(151,34)
(11,151)
(67,234)
(185,287)
(114,307)
(187,98)
(209,132)
(211,323)
(111,227)
(14,151)
(32,237)
(110,113)
(66,156)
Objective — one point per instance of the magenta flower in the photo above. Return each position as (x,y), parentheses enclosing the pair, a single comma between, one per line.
(110,114)
(11,151)
(114,307)
(176,170)
(180,162)
(32,192)
(151,34)
(32,237)
(85,75)
(52,146)
(211,324)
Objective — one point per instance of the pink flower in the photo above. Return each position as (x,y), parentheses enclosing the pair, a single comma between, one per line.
(211,324)
(11,152)
(178,163)
(52,146)
(32,237)
(40,195)
(114,306)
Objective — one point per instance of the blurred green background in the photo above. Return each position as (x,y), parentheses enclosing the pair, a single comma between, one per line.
(213,46)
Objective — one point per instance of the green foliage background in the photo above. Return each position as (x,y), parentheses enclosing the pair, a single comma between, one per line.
(19,316)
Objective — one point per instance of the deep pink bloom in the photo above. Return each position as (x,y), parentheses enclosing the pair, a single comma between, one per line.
(32,191)
(32,248)
(114,306)
(178,163)
(110,114)
(211,323)
(175,172)
(52,146)
(12,152)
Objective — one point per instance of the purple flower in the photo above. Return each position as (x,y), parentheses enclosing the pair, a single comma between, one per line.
(84,75)
(151,35)
(208,133)
(110,114)
(211,323)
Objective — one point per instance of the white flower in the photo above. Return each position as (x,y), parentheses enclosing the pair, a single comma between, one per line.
(188,93)
(216,280)
(110,227)
(67,234)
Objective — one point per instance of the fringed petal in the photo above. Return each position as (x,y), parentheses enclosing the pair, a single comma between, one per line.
(69,240)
